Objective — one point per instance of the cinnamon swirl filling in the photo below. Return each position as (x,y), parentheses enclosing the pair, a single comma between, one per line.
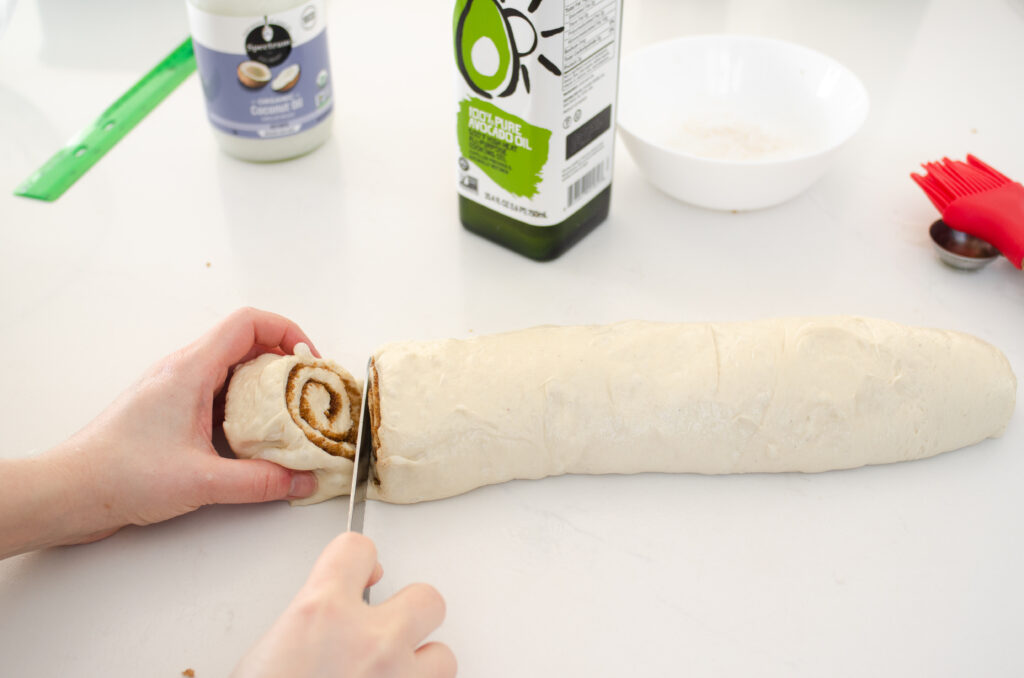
(324,404)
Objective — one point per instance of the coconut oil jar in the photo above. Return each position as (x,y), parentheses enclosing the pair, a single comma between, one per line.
(264,69)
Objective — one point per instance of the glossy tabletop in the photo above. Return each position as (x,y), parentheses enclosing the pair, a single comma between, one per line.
(906,570)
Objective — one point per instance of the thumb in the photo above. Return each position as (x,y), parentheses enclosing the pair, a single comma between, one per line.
(244,481)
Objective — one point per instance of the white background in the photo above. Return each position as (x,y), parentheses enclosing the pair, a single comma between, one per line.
(906,570)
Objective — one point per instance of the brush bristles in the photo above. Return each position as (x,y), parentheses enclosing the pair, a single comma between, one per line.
(948,180)
(974,161)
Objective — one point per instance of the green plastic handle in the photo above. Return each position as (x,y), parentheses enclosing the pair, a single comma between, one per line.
(69,163)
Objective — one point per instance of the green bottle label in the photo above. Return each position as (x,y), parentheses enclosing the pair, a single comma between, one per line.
(506,148)
(536,100)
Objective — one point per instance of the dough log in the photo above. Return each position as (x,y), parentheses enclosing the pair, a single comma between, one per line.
(808,395)
(298,411)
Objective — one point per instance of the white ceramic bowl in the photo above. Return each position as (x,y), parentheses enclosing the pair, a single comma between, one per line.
(735,122)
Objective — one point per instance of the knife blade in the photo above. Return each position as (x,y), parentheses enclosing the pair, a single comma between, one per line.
(362,466)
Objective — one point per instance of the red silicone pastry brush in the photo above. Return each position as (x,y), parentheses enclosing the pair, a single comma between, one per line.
(978,200)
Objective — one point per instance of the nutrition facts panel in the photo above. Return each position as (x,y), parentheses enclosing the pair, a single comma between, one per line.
(588,61)
(590,26)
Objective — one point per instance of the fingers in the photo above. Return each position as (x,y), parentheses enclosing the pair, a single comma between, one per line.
(436,660)
(418,609)
(245,481)
(249,332)
(378,574)
(348,564)
(387,635)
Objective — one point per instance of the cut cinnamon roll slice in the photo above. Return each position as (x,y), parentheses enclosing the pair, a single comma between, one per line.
(298,411)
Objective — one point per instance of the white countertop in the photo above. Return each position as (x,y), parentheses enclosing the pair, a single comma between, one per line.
(906,570)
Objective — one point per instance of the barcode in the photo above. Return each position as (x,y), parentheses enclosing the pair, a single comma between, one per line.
(584,184)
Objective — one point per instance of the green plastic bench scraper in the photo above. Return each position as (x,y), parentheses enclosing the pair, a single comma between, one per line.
(69,163)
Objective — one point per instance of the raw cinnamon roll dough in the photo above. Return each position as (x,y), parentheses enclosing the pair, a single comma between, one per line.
(778,395)
(298,411)
(800,394)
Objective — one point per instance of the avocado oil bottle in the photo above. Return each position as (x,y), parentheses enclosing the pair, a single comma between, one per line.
(537,83)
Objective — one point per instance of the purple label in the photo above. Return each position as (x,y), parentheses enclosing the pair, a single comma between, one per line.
(252,98)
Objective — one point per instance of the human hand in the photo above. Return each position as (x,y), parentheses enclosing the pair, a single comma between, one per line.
(150,457)
(328,630)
